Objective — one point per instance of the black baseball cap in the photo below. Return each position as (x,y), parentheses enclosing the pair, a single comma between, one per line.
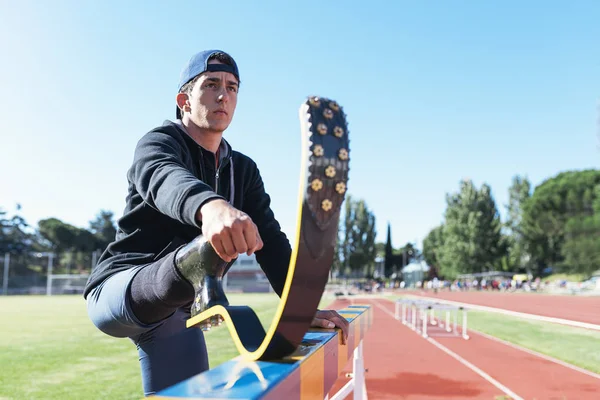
(198,64)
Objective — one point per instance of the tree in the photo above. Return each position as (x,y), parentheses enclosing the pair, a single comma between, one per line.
(60,235)
(65,237)
(472,237)
(380,249)
(72,245)
(581,250)
(18,239)
(21,241)
(103,229)
(343,244)
(14,237)
(389,262)
(433,246)
(363,239)
(561,203)
(408,253)
(4,227)
(518,193)
(357,244)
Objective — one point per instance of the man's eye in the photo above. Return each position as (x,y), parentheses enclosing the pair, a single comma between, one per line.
(232,89)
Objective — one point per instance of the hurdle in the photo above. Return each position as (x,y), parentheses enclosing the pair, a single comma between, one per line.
(308,373)
(423,313)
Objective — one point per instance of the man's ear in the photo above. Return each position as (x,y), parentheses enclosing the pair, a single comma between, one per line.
(182,100)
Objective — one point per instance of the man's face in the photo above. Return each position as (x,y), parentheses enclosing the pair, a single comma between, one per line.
(213,100)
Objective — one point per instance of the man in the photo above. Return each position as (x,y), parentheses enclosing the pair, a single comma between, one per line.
(186,187)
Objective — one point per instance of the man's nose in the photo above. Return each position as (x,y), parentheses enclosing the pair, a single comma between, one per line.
(222,96)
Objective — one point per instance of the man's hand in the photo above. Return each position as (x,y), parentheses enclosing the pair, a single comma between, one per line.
(229,230)
(331,319)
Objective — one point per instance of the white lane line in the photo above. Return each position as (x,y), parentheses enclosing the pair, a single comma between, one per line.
(467,364)
(535,353)
(475,369)
(536,317)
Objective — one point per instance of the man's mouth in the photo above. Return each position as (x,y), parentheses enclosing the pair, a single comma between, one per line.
(223,112)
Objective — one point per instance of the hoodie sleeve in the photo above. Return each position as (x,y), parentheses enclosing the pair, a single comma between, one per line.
(274,257)
(164,182)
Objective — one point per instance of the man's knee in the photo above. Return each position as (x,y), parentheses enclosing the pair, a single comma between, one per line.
(108,307)
(103,318)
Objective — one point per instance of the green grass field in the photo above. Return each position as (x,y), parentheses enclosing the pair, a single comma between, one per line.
(566,277)
(50,350)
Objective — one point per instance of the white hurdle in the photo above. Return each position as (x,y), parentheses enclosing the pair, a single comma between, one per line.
(419,314)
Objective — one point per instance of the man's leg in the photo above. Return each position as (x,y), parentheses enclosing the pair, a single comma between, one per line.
(168,351)
(191,275)
(171,353)
(147,304)
(109,307)
(158,289)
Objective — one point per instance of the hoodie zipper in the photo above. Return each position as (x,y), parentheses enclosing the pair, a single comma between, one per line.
(226,161)
(217,181)
(217,171)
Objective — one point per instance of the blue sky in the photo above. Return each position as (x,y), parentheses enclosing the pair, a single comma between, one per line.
(434,92)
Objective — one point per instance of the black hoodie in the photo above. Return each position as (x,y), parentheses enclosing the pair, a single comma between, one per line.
(170,178)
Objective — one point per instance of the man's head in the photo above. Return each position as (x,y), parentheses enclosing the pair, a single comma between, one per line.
(207,92)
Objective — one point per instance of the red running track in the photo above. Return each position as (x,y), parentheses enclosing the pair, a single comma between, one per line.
(403,365)
(581,309)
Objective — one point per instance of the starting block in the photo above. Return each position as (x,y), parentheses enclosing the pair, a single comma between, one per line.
(308,373)
(421,314)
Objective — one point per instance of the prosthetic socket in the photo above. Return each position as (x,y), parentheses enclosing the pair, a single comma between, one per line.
(204,269)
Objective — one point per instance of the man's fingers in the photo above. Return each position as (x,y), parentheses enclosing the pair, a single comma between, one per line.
(250,238)
(232,232)
(218,246)
(259,242)
(227,244)
(239,242)
(337,320)
(253,237)
(322,323)
(229,247)
(344,325)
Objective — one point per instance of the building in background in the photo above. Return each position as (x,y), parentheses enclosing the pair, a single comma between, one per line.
(245,275)
(414,272)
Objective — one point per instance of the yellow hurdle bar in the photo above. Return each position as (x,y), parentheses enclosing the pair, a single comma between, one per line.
(308,373)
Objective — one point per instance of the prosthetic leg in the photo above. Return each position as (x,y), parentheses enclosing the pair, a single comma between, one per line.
(204,269)
(323,177)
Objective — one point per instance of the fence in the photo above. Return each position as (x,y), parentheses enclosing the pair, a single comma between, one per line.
(45,272)
(67,273)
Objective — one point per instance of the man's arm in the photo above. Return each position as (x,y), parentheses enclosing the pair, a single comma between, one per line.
(274,257)
(164,182)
